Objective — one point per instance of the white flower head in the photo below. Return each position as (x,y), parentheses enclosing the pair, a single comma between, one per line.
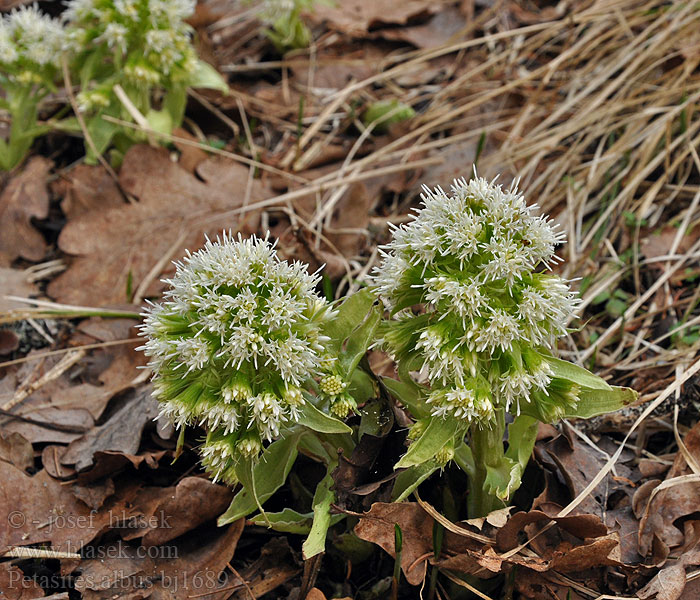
(478,258)
(31,38)
(242,329)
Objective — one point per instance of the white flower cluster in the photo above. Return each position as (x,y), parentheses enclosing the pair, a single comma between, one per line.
(30,41)
(150,35)
(235,341)
(474,256)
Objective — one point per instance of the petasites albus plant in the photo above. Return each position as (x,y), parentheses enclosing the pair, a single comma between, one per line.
(477,260)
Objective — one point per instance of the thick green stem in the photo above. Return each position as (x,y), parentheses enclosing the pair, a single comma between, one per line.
(487,449)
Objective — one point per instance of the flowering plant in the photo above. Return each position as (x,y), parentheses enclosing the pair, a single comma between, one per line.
(236,348)
(143,46)
(478,260)
(30,50)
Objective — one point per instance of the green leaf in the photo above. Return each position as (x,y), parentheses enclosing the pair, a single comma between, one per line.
(522,434)
(174,104)
(267,476)
(599,402)
(314,419)
(323,498)
(359,341)
(377,419)
(408,481)
(576,374)
(465,459)
(438,432)
(361,386)
(407,393)
(206,76)
(290,521)
(350,314)
(101,132)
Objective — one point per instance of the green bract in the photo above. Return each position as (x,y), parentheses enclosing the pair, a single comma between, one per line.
(144,47)
(233,346)
(30,52)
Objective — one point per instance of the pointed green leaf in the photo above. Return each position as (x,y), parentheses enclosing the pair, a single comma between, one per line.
(359,341)
(206,76)
(407,393)
(576,374)
(268,475)
(350,314)
(438,432)
(408,481)
(522,433)
(290,521)
(314,419)
(323,498)
(599,402)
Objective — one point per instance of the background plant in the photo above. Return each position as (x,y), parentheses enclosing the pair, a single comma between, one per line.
(143,46)
(30,53)
(285,29)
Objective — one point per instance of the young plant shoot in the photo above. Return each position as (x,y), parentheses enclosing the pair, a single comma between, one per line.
(30,54)
(479,260)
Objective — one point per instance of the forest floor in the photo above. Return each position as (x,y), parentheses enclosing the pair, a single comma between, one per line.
(591,104)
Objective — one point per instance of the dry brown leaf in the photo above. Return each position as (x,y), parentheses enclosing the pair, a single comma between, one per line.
(39,509)
(377,526)
(121,433)
(436,32)
(13,282)
(123,244)
(357,17)
(17,450)
(668,584)
(660,515)
(70,424)
(25,197)
(87,188)
(184,507)
(14,585)
(190,568)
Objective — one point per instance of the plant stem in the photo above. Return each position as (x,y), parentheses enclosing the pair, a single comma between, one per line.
(487,449)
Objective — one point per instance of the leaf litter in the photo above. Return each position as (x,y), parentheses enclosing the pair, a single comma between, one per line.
(596,114)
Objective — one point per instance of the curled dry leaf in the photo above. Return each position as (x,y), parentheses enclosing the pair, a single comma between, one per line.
(120,433)
(660,513)
(17,450)
(377,526)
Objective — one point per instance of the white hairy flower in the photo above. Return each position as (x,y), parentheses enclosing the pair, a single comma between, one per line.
(478,258)
(235,338)
(31,39)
